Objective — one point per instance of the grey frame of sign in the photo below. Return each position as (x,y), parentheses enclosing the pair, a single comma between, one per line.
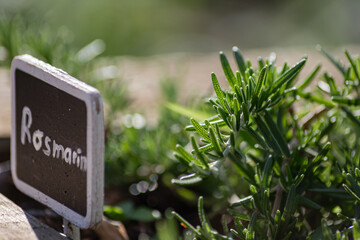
(94,167)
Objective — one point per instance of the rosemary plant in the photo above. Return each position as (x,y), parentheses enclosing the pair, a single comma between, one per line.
(296,150)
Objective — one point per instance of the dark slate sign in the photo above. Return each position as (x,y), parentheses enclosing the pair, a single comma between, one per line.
(57,141)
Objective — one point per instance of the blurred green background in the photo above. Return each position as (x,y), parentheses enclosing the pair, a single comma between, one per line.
(147,27)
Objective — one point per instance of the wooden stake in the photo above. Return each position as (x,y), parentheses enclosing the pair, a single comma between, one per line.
(70,230)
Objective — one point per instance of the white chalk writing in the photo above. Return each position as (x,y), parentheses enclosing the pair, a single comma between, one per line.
(58,150)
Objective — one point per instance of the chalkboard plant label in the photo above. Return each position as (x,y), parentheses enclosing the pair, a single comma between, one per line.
(57,140)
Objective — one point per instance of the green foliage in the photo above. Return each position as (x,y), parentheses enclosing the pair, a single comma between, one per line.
(138,150)
(127,211)
(167,228)
(298,152)
(205,231)
(52,46)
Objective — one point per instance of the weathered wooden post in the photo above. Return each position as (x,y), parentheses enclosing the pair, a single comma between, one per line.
(57,142)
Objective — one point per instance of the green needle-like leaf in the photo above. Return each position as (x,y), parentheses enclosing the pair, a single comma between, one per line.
(220,123)
(238,78)
(204,222)
(268,135)
(290,205)
(224,225)
(326,231)
(243,95)
(324,151)
(277,134)
(352,64)
(245,111)
(206,148)
(350,115)
(251,227)
(260,62)
(346,101)
(356,230)
(330,80)
(239,215)
(237,234)
(309,78)
(354,184)
(187,111)
(187,180)
(351,192)
(215,141)
(239,60)
(182,160)
(267,170)
(187,156)
(288,75)
(260,81)
(187,224)
(200,129)
(298,180)
(242,202)
(218,91)
(316,99)
(227,70)
(335,62)
(257,137)
(224,115)
(198,153)
(310,203)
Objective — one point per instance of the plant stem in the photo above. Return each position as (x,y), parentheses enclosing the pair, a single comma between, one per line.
(279,190)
